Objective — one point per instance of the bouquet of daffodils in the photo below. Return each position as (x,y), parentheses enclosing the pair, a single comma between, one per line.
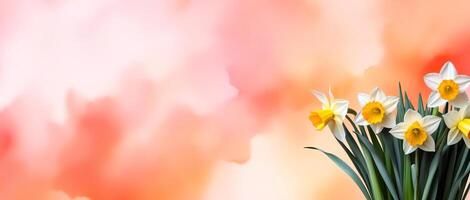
(413,154)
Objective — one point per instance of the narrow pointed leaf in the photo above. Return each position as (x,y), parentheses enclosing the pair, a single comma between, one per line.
(380,166)
(341,164)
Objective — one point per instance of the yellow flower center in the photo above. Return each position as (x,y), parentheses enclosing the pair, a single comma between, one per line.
(321,118)
(373,112)
(415,135)
(448,90)
(464,127)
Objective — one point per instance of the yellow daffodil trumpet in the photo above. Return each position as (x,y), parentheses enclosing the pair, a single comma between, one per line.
(321,118)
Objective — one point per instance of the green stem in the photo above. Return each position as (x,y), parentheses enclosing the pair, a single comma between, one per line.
(373,177)
(417,173)
(407,179)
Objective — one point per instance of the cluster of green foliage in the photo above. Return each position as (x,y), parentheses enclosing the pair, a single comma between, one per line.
(383,171)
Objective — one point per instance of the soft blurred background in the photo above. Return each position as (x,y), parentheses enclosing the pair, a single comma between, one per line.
(200,99)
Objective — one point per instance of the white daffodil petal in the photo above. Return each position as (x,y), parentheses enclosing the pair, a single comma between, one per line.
(452,118)
(390,104)
(467,141)
(432,80)
(454,136)
(321,97)
(337,129)
(377,128)
(431,123)
(460,101)
(448,71)
(428,145)
(373,94)
(389,121)
(377,95)
(340,108)
(412,116)
(435,100)
(330,93)
(407,148)
(463,81)
(360,120)
(399,131)
(363,98)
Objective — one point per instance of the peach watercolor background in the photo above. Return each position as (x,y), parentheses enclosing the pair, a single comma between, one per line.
(185,100)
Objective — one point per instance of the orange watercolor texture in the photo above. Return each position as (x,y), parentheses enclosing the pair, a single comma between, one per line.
(188,100)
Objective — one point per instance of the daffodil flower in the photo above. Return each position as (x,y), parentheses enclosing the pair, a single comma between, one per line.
(416,131)
(459,124)
(332,114)
(376,110)
(447,86)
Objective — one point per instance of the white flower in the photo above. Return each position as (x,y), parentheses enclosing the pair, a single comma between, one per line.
(416,131)
(447,86)
(376,110)
(459,124)
(332,114)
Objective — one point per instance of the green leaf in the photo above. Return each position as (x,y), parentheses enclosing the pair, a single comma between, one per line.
(352,143)
(450,170)
(454,189)
(421,109)
(341,164)
(460,177)
(374,181)
(375,142)
(434,190)
(462,187)
(351,111)
(380,166)
(361,163)
(408,104)
(426,158)
(401,105)
(360,167)
(462,160)
(407,179)
(397,144)
(414,178)
(432,172)
(388,142)
(466,191)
